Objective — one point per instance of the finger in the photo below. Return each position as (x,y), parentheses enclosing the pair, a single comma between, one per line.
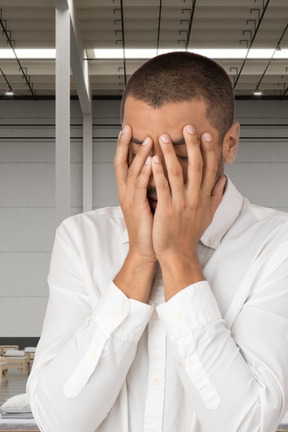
(174,169)
(139,162)
(161,182)
(143,180)
(211,168)
(195,161)
(121,158)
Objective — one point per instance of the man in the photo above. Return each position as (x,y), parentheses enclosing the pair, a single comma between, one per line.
(169,313)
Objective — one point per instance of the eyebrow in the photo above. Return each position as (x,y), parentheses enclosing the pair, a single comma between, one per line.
(181,141)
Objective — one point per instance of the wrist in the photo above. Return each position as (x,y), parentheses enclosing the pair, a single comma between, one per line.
(174,260)
(135,277)
(137,261)
(179,272)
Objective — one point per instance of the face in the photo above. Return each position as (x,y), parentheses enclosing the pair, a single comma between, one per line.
(170,119)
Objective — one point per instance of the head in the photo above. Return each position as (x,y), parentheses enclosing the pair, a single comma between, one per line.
(173,90)
(180,77)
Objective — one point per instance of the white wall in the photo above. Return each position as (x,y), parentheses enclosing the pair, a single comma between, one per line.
(27,188)
(261,167)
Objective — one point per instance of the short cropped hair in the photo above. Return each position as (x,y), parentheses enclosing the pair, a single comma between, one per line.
(182,76)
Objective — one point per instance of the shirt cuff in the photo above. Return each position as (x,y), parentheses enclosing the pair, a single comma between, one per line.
(108,320)
(185,318)
(112,311)
(191,308)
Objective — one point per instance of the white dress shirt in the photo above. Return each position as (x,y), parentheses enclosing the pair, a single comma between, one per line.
(213,358)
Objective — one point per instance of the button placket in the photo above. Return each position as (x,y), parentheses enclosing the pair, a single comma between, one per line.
(153,417)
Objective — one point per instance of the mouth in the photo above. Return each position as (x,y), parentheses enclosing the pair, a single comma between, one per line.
(153,203)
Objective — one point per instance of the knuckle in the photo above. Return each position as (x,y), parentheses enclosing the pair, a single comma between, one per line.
(118,140)
(169,148)
(163,185)
(195,202)
(183,206)
(197,164)
(132,171)
(213,167)
(116,163)
(139,184)
(176,171)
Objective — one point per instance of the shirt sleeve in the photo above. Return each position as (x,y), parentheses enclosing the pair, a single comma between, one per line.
(236,379)
(85,350)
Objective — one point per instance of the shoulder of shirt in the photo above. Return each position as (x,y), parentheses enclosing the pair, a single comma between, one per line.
(266,215)
(106,214)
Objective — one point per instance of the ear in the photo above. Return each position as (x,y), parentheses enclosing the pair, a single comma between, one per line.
(230,143)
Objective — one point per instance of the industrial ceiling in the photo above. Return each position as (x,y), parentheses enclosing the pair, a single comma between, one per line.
(239,26)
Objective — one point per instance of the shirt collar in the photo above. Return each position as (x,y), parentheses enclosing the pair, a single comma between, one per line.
(224,217)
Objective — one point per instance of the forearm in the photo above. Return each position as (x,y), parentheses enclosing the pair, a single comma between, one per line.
(135,277)
(92,405)
(228,390)
(80,375)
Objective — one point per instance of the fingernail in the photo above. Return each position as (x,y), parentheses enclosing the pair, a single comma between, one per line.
(146,141)
(165,138)
(119,135)
(190,129)
(156,159)
(147,160)
(124,130)
(207,137)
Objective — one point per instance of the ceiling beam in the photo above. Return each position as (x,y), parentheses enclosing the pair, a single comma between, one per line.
(251,42)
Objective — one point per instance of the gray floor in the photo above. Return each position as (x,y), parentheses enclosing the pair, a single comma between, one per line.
(15,385)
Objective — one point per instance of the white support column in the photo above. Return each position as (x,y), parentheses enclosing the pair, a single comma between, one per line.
(79,66)
(69,51)
(81,79)
(62,114)
(87,164)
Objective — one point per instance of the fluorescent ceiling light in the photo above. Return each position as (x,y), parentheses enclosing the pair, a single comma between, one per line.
(222,53)
(6,54)
(268,54)
(149,53)
(281,54)
(237,54)
(129,53)
(117,54)
(260,53)
(36,53)
(28,54)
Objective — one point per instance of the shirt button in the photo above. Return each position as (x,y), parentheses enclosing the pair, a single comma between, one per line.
(156,381)
(93,355)
(190,361)
(115,313)
(177,317)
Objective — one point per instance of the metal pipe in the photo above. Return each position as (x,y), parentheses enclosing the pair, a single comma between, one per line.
(7,82)
(251,43)
(159,24)
(190,24)
(277,46)
(123,41)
